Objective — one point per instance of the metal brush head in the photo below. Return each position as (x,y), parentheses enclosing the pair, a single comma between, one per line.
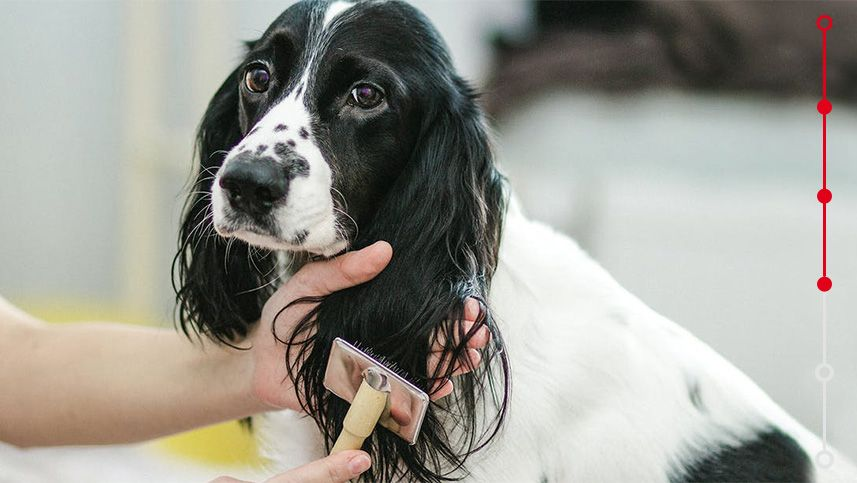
(348,366)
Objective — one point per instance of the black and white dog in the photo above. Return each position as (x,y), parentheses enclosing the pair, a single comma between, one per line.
(347,124)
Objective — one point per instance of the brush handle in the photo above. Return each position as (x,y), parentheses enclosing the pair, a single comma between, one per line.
(362,416)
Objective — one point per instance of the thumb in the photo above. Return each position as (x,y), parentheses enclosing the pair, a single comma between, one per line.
(353,268)
(336,468)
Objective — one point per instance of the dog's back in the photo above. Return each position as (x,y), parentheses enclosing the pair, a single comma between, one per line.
(605,389)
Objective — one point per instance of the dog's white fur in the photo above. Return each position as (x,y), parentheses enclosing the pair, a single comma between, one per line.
(599,379)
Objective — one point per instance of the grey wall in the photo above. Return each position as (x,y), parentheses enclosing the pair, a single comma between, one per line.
(59,144)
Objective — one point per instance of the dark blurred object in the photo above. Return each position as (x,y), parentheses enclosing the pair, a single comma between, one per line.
(763,47)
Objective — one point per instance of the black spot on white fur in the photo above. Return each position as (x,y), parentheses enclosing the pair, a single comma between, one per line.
(304,133)
(300,237)
(280,127)
(770,456)
(298,166)
(261,148)
(295,165)
(694,393)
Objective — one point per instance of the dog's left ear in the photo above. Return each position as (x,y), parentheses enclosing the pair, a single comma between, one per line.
(455,183)
(220,284)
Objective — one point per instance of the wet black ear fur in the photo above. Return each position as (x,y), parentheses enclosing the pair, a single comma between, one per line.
(221,284)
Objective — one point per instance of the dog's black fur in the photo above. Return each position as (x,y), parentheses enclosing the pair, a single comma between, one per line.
(771,456)
(420,175)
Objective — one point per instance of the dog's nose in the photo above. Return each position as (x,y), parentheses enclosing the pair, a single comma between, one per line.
(254,185)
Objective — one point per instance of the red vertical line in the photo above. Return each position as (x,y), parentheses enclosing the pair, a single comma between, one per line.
(824,239)
(824,151)
(823,64)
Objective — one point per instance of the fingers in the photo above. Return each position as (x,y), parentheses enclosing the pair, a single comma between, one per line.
(444,387)
(353,268)
(336,468)
(469,360)
(477,341)
(438,362)
(471,309)
(444,390)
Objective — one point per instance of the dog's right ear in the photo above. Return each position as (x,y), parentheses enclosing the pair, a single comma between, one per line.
(220,284)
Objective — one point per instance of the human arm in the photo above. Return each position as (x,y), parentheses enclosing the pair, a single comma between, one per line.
(107,383)
(99,383)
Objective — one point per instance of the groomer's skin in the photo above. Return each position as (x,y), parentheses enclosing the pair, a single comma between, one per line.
(103,383)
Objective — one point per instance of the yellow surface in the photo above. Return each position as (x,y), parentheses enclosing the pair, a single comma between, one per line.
(222,444)
(64,311)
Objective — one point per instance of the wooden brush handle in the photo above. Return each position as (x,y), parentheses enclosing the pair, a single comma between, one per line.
(361,418)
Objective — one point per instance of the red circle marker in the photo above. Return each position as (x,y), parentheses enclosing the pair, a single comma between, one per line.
(824,284)
(824,22)
(824,107)
(824,195)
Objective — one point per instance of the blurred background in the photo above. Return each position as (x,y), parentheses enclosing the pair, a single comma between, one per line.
(677,142)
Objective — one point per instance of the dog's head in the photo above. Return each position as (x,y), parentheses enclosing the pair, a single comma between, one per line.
(346,124)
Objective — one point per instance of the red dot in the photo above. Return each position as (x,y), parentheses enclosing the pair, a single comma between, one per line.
(824,107)
(824,284)
(824,22)
(824,195)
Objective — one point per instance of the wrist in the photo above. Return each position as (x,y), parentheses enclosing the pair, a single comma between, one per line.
(230,372)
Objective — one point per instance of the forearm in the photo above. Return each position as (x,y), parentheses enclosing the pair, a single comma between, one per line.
(103,383)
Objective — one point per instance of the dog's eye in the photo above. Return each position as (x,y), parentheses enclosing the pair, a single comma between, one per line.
(366,96)
(257,79)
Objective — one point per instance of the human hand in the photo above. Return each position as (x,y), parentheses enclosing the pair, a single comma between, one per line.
(270,382)
(336,468)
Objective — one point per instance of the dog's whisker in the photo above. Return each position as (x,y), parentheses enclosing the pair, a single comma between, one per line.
(201,227)
(226,255)
(206,218)
(219,151)
(265,285)
(341,196)
(348,217)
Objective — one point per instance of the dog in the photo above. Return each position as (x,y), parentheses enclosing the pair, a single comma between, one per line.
(346,124)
